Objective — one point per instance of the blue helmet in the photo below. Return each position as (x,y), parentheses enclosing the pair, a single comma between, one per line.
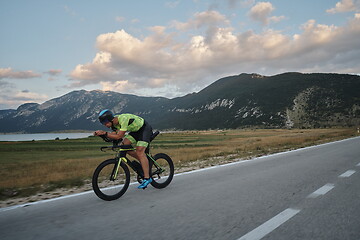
(106,116)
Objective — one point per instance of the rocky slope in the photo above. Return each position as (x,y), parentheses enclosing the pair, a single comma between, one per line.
(284,100)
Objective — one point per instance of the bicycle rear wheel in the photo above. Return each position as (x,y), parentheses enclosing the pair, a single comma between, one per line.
(107,188)
(162,170)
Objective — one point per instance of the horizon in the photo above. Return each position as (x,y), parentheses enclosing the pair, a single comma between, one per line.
(167,48)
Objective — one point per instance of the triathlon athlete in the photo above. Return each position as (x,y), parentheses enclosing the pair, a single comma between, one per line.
(139,133)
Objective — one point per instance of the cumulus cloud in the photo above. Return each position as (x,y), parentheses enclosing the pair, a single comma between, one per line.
(9,73)
(203,19)
(261,12)
(131,64)
(345,6)
(118,86)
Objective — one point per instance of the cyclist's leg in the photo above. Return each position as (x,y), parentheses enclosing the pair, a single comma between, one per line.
(143,140)
(140,152)
(130,140)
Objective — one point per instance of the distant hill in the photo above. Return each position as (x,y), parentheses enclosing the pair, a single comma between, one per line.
(246,100)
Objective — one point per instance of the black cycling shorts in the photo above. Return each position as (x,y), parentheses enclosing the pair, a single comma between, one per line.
(141,137)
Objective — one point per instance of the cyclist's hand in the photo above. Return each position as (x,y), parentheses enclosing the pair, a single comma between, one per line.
(99,133)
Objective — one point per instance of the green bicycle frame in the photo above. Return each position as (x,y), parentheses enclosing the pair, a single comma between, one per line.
(121,155)
(157,164)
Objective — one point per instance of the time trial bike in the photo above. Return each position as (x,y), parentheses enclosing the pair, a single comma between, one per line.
(111,178)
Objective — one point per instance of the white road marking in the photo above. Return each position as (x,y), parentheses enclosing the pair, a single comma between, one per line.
(45,201)
(358,165)
(347,174)
(269,226)
(321,191)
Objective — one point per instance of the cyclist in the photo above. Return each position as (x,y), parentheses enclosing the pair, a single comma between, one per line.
(139,132)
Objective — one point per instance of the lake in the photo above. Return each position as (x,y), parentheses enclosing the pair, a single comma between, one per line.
(42,136)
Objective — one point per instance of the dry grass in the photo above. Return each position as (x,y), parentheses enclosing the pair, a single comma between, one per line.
(30,174)
(52,166)
(225,146)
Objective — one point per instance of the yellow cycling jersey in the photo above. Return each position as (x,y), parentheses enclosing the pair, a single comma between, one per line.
(129,122)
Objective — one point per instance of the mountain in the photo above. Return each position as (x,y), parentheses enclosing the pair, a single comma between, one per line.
(284,100)
(76,110)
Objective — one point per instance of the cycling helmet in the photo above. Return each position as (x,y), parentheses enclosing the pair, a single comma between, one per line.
(106,116)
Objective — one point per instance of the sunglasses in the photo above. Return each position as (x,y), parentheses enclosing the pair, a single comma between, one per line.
(104,122)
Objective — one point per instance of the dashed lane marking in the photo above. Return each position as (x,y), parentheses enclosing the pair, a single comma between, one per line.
(347,174)
(322,191)
(270,225)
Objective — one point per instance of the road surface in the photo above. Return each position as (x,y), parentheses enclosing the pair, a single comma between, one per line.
(312,193)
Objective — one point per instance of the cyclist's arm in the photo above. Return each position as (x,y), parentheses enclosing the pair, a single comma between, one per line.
(113,135)
(116,135)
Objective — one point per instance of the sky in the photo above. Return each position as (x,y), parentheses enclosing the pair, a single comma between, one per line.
(167,48)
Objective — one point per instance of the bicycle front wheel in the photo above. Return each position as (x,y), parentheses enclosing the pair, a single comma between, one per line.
(161,170)
(105,185)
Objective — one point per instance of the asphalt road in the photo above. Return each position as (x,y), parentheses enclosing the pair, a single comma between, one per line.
(313,193)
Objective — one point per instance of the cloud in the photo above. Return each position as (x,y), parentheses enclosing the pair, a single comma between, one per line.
(12,99)
(89,73)
(118,86)
(345,6)
(202,19)
(162,59)
(261,13)
(27,96)
(9,73)
(54,72)
(247,3)
(4,84)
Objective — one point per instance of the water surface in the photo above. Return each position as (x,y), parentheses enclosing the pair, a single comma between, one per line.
(42,136)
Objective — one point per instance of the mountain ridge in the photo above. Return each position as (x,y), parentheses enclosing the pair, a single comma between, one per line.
(246,100)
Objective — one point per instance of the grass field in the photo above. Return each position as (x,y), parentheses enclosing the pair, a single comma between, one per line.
(40,166)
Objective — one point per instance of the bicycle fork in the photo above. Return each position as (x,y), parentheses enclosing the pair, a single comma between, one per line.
(115,170)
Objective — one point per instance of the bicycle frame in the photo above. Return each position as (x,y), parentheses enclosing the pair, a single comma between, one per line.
(121,157)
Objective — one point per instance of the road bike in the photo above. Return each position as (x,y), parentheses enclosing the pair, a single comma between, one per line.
(111,178)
